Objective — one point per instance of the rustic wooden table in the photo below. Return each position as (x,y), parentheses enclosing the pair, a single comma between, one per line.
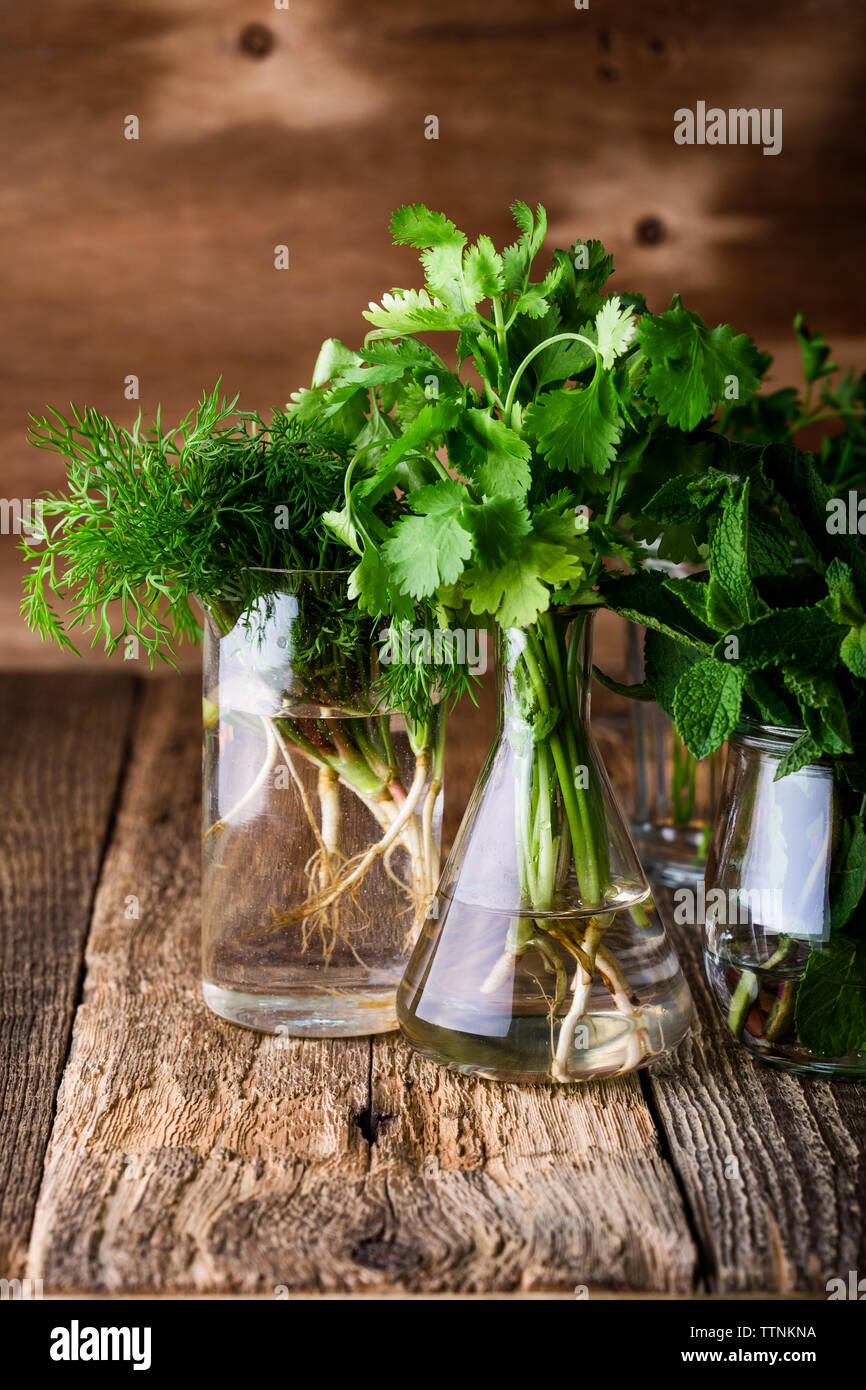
(147,1146)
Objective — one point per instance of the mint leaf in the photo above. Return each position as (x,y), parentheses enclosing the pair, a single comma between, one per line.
(707,705)
(790,634)
(691,365)
(831,999)
(848,873)
(729,560)
(823,710)
(432,547)
(577,429)
(665,663)
(645,598)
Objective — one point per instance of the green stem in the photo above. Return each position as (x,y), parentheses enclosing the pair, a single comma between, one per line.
(548,342)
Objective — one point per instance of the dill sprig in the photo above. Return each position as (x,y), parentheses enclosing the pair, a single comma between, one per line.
(151,518)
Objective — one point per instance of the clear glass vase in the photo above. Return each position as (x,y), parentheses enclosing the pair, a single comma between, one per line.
(676,793)
(322,815)
(543,957)
(784,909)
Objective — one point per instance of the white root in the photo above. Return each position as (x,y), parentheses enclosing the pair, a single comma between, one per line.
(363,862)
(257,783)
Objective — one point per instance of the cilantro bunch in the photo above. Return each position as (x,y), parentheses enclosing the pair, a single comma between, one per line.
(556,390)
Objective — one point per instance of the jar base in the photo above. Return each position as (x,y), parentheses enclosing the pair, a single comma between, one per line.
(337,1015)
(611,1045)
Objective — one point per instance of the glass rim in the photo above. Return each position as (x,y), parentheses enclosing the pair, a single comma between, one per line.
(277,569)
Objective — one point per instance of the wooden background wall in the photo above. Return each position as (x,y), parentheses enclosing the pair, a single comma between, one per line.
(305,126)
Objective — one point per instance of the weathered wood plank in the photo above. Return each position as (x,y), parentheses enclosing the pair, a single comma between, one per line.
(186,1153)
(773,1166)
(509,1188)
(61,756)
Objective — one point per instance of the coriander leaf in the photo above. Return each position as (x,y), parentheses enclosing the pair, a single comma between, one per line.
(414,311)
(562,360)
(333,357)
(707,705)
(415,225)
(498,461)
(577,429)
(516,592)
(615,328)
(483,271)
(692,365)
(831,1000)
(430,548)
(427,428)
(847,873)
(497,526)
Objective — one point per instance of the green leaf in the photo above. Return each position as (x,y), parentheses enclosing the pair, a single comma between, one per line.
(729,561)
(432,547)
(645,598)
(562,360)
(822,706)
(615,329)
(814,352)
(577,429)
(790,634)
(425,431)
(415,225)
(831,999)
(497,526)
(848,873)
(333,357)
(498,461)
(665,663)
(414,311)
(483,276)
(707,705)
(692,366)
(516,592)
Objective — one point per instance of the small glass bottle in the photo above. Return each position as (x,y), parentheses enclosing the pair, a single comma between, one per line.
(784,907)
(543,957)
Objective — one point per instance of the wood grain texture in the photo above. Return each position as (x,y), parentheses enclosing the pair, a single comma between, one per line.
(773,1166)
(186,1153)
(61,756)
(507,1188)
(155,257)
(191,1156)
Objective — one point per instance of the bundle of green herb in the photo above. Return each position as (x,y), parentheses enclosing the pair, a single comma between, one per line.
(772,631)
(578,386)
(225,510)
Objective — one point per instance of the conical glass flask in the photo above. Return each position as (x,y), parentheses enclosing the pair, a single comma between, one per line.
(543,957)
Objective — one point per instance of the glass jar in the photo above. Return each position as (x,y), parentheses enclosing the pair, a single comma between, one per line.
(322,815)
(783,906)
(673,811)
(543,957)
